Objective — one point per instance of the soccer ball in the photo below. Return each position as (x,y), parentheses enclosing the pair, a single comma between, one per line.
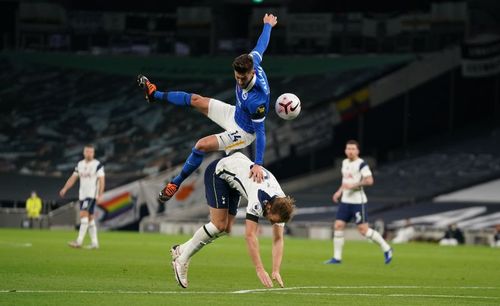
(288,106)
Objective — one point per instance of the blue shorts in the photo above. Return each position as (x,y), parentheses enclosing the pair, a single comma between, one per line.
(218,192)
(88,204)
(348,212)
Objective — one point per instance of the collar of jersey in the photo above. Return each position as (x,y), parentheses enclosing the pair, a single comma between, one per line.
(250,85)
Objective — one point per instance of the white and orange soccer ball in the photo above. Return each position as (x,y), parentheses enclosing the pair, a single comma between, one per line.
(287,106)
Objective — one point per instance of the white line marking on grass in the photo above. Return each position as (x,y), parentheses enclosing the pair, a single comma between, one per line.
(111,292)
(363,287)
(282,291)
(16,244)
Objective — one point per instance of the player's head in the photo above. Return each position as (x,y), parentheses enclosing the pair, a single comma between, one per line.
(352,149)
(243,70)
(88,152)
(279,209)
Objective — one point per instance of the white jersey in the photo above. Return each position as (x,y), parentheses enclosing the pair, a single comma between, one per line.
(235,170)
(89,172)
(353,172)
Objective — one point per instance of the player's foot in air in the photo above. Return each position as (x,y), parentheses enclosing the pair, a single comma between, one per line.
(175,251)
(388,256)
(180,272)
(332,261)
(149,88)
(167,192)
(74,244)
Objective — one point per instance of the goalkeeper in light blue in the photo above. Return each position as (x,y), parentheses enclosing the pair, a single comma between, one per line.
(243,123)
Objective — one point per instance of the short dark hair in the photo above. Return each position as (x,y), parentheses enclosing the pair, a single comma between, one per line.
(352,142)
(243,63)
(284,207)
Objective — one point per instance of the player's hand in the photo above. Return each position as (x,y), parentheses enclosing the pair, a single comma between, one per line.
(271,19)
(277,277)
(256,173)
(62,192)
(264,278)
(336,196)
(99,199)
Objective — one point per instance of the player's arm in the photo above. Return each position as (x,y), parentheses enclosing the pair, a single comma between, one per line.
(251,228)
(102,182)
(278,246)
(258,52)
(258,117)
(336,196)
(69,183)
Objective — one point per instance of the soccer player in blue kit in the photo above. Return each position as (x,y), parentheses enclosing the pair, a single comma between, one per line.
(243,122)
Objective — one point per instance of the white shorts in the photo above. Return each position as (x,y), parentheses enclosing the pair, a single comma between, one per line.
(234,137)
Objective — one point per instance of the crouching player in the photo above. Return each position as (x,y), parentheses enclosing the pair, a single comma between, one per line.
(227,179)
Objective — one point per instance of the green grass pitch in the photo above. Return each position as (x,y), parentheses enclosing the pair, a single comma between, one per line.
(38,268)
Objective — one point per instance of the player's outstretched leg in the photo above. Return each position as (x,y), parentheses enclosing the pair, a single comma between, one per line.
(183,253)
(152,95)
(375,236)
(194,160)
(192,163)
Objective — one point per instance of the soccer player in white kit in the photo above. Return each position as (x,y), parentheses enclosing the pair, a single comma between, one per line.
(356,174)
(226,180)
(91,174)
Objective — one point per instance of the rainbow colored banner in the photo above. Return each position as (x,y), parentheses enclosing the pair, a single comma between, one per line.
(117,205)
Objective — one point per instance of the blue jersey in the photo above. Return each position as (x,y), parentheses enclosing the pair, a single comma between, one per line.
(252,102)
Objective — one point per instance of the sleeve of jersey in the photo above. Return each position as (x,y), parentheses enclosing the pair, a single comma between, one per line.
(258,52)
(258,117)
(100,170)
(365,170)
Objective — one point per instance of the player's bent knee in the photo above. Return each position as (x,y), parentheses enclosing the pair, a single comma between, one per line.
(221,226)
(199,101)
(206,145)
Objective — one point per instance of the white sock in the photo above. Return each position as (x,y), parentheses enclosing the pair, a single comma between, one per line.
(375,236)
(204,235)
(93,233)
(338,244)
(84,224)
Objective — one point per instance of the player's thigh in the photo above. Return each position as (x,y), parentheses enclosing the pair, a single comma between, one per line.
(343,216)
(234,139)
(87,207)
(221,113)
(219,197)
(358,211)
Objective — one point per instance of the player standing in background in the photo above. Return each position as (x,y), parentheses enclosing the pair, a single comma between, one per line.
(243,123)
(355,175)
(226,180)
(91,174)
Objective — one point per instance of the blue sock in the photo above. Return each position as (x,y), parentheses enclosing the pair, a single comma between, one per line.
(179,98)
(192,163)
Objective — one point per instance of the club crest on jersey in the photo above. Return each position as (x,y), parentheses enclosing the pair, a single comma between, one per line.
(261,109)
(244,95)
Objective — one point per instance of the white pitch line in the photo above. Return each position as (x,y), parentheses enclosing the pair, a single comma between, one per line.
(363,287)
(17,244)
(282,291)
